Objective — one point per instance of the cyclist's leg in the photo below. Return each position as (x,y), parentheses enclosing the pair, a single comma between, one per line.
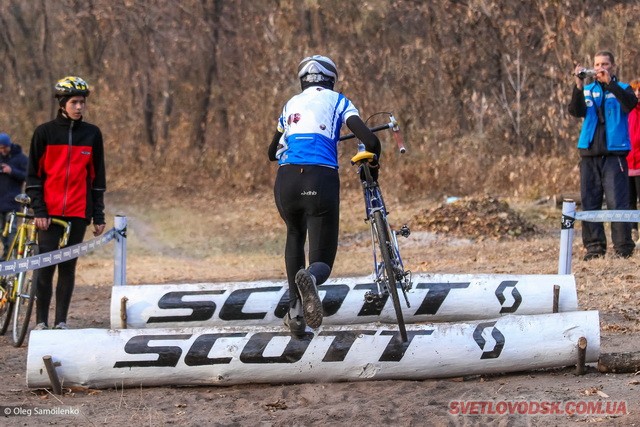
(322,206)
(324,223)
(67,272)
(47,242)
(287,198)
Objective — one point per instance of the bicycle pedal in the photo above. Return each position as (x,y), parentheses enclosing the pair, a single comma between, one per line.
(370,297)
(404,231)
(373,298)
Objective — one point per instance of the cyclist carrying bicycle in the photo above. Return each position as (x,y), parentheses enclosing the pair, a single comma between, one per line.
(307,186)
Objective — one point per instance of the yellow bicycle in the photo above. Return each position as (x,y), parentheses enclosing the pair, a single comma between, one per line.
(17,291)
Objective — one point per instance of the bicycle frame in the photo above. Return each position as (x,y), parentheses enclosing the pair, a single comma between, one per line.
(374,202)
(26,233)
(388,269)
(19,296)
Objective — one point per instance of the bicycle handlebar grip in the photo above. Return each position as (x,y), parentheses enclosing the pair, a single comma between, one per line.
(398,138)
(396,134)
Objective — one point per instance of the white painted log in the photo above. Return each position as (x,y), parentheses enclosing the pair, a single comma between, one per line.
(434,298)
(260,354)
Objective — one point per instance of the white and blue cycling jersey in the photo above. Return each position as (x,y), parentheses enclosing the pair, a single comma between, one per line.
(310,125)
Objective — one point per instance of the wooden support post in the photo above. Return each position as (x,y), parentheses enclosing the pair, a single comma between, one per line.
(53,376)
(582,351)
(556,298)
(123,312)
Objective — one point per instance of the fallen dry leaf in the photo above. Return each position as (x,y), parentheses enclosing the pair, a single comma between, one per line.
(276,406)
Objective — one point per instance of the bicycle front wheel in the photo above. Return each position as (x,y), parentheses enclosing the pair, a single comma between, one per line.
(386,250)
(6,303)
(25,299)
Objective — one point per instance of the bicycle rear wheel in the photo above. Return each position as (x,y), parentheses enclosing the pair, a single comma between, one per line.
(6,303)
(386,250)
(25,299)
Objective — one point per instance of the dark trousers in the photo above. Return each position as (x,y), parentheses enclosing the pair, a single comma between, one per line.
(308,200)
(634,192)
(605,177)
(48,241)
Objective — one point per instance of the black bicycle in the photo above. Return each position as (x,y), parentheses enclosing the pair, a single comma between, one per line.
(388,270)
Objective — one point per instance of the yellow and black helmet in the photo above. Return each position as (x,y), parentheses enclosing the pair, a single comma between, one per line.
(71,86)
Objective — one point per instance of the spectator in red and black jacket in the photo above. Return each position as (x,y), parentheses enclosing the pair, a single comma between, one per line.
(66,180)
(633,158)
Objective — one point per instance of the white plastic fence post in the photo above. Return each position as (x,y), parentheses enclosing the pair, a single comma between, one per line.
(120,261)
(566,236)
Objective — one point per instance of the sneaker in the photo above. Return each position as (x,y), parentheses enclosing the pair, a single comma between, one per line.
(297,325)
(624,254)
(592,255)
(61,325)
(311,304)
(41,327)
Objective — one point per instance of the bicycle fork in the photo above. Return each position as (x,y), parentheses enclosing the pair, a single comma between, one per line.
(402,277)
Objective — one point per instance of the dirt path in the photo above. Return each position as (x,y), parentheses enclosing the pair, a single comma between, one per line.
(611,286)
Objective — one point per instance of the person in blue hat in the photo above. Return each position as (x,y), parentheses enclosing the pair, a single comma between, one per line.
(13,172)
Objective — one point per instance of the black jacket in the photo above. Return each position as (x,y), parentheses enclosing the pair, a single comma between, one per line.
(11,184)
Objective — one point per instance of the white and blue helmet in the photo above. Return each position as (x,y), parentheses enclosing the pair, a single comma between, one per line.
(317,68)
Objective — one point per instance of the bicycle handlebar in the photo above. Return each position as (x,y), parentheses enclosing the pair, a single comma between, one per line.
(393,125)
(64,224)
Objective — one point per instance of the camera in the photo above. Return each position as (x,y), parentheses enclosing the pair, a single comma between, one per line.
(586,72)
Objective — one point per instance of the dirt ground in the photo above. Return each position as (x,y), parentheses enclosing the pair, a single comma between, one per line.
(168,242)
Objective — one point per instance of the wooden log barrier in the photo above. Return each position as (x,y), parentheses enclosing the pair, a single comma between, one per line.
(268,354)
(619,362)
(434,298)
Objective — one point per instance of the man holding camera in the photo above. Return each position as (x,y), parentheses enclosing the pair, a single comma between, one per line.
(603,145)
(13,171)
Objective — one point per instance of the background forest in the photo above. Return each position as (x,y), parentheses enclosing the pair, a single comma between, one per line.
(187,92)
